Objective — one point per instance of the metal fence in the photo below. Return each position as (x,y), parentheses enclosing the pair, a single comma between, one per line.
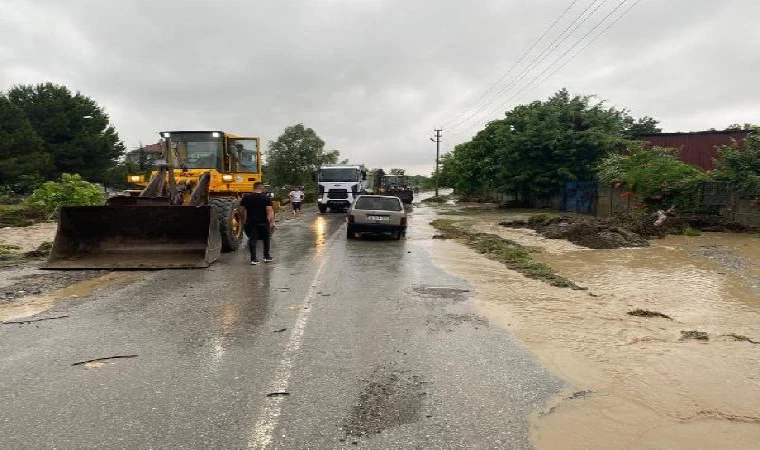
(712,198)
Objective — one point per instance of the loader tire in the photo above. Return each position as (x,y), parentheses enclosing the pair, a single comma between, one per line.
(230,216)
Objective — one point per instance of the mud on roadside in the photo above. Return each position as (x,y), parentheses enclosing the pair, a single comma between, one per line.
(649,388)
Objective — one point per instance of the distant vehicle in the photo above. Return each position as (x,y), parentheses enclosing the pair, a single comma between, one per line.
(396,186)
(376,214)
(339,185)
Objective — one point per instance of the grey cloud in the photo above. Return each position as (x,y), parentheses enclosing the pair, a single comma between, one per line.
(373,77)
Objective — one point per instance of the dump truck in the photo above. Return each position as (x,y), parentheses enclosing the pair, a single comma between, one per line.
(396,185)
(184,216)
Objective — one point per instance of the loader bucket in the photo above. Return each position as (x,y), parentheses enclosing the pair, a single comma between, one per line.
(135,237)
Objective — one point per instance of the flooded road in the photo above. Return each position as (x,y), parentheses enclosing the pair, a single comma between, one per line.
(338,344)
(642,384)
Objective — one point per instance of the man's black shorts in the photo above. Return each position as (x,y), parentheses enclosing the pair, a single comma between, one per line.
(296,206)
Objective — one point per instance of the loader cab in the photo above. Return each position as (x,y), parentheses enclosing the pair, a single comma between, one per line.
(216,150)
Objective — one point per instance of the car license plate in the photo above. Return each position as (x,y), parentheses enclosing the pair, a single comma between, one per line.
(379,218)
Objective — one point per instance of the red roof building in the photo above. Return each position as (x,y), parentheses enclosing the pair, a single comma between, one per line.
(696,148)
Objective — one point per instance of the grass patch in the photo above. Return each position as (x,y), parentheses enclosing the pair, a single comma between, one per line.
(469,211)
(439,199)
(543,219)
(689,231)
(8,249)
(20,215)
(647,313)
(509,253)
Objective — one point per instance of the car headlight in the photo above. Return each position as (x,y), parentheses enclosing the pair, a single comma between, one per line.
(227,178)
(135,178)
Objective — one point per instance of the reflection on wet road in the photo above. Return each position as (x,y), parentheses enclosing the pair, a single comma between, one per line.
(337,344)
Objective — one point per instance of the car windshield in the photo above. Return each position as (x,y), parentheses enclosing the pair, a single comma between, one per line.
(195,150)
(378,203)
(336,175)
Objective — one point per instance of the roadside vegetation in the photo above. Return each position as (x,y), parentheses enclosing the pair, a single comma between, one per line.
(46,130)
(537,148)
(509,253)
(436,199)
(71,190)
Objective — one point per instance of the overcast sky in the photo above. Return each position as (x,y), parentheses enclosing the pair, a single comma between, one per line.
(374,77)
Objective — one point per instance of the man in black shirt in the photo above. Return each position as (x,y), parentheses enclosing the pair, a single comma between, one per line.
(259,220)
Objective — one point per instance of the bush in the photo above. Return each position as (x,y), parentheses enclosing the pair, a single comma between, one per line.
(655,175)
(740,167)
(20,215)
(72,190)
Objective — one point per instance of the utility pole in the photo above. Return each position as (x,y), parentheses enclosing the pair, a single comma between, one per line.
(437,141)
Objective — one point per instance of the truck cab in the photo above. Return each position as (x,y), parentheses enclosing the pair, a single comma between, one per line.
(339,185)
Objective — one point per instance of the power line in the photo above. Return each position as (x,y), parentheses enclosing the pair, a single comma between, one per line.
(536,78)
(598,35)
(562,37)
(517,63)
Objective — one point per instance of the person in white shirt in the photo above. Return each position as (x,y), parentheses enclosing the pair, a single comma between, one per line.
(296,198)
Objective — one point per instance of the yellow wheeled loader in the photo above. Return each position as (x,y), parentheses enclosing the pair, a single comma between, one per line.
(184,217)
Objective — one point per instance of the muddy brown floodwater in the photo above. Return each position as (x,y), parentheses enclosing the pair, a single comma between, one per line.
(637,383)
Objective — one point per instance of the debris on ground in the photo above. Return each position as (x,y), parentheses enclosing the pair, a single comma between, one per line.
(42,250)
(580,394)
(26,322)
(107,358)
(647,313)
(694,334)
(278,394)
(509,253)
(741,338)
(590,232)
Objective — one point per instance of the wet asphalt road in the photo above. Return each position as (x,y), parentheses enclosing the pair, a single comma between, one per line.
(339,344)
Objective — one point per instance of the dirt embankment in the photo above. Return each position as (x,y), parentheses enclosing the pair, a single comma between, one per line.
(623,231)
(587,232)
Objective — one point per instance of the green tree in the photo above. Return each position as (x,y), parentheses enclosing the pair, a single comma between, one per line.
(296,155)
(740,165)
(23,163)
(75,131)
(396,172)
(643,126)
(537,147)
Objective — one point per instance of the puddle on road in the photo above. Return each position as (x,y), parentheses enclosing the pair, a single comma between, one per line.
(651,390)
(32,305)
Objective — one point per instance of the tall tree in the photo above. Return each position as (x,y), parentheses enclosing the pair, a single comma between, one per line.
(296,155)
(537,147)
(642,126)
(75,131)
(23,163)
